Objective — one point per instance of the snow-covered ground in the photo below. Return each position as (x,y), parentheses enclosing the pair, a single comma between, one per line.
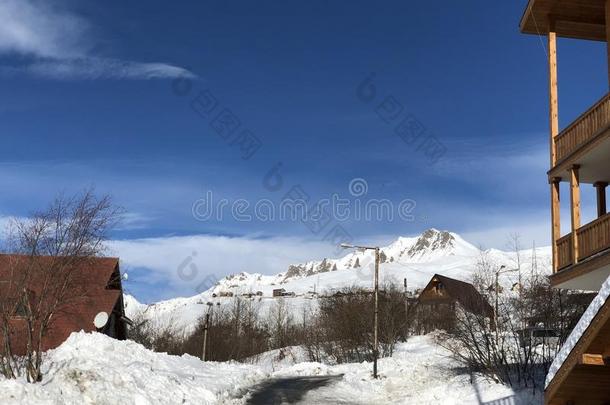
(415,258)
(95,369)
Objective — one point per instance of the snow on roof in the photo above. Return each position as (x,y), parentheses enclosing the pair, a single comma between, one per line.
(578,331)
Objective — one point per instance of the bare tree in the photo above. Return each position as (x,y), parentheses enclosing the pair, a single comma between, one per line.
(51,248)
(516,349)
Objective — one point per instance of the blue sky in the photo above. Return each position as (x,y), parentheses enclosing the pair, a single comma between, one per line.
(89,99)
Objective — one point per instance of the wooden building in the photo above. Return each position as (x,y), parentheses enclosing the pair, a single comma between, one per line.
(580,374)
(436,304)
(579,157)
(95,287)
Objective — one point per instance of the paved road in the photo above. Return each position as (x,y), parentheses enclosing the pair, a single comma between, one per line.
(288,390)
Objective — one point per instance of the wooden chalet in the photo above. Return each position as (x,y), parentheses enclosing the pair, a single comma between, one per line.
(581,371)
(579,157)
(580,152)
(436,304)
(95,287)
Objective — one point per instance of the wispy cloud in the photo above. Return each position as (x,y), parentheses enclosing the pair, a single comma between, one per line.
(103,68)
(164,258)
(58,44)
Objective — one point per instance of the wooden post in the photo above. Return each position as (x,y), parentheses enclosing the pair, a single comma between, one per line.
(553,103)
(554,131)
(575,209)
(555,220)
(608,37)
(205,336)
(406,302)
(600,186)
(376,320)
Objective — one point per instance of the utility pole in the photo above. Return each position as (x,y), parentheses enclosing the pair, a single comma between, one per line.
(376,321)
(205,335)
(376,302)
(496,287)
(501,270)
(206,326)
(406,302)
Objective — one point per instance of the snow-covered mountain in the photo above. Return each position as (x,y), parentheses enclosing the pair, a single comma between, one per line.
(415,259)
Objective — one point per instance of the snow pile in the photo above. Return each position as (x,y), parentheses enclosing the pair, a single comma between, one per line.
(95,369)
(578,331)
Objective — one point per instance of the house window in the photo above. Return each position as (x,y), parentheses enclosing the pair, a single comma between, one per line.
(439,287)
(114,283)
(21,310)
(21,307)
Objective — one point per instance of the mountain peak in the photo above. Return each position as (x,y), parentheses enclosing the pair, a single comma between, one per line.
(432,240)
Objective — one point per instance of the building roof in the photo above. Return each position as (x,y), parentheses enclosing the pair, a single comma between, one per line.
(581,19)
(95,287)
(464,293)
(590,335)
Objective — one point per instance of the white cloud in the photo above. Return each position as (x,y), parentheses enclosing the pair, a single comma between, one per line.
(214,255)
(496,235)
(101,68)
(35,28)
(60,44)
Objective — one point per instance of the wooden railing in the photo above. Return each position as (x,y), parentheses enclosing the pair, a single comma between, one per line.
(592,238)
(584,128)
(564,251)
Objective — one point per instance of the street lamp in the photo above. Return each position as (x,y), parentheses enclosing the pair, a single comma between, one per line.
(376,305)
(501,270)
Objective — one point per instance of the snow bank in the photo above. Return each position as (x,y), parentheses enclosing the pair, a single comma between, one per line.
(91,368)
(578,331)
(94,369)
(419,372)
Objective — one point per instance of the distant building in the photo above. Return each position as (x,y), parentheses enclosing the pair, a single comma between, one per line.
(278,292)
(436,304)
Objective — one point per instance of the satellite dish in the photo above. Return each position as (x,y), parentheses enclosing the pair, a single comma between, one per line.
(100,320)
(125,276)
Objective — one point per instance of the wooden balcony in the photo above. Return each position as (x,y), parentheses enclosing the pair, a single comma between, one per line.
(592,238)
(587,127)
(564,251)
(593,248)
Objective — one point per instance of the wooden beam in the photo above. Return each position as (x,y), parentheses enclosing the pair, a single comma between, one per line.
(553,103)
(600,187)
(590,359)
(555,221)
(575,208)
(607,15)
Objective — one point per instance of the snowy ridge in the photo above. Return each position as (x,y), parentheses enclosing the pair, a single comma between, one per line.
(578,331)
(414,258)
